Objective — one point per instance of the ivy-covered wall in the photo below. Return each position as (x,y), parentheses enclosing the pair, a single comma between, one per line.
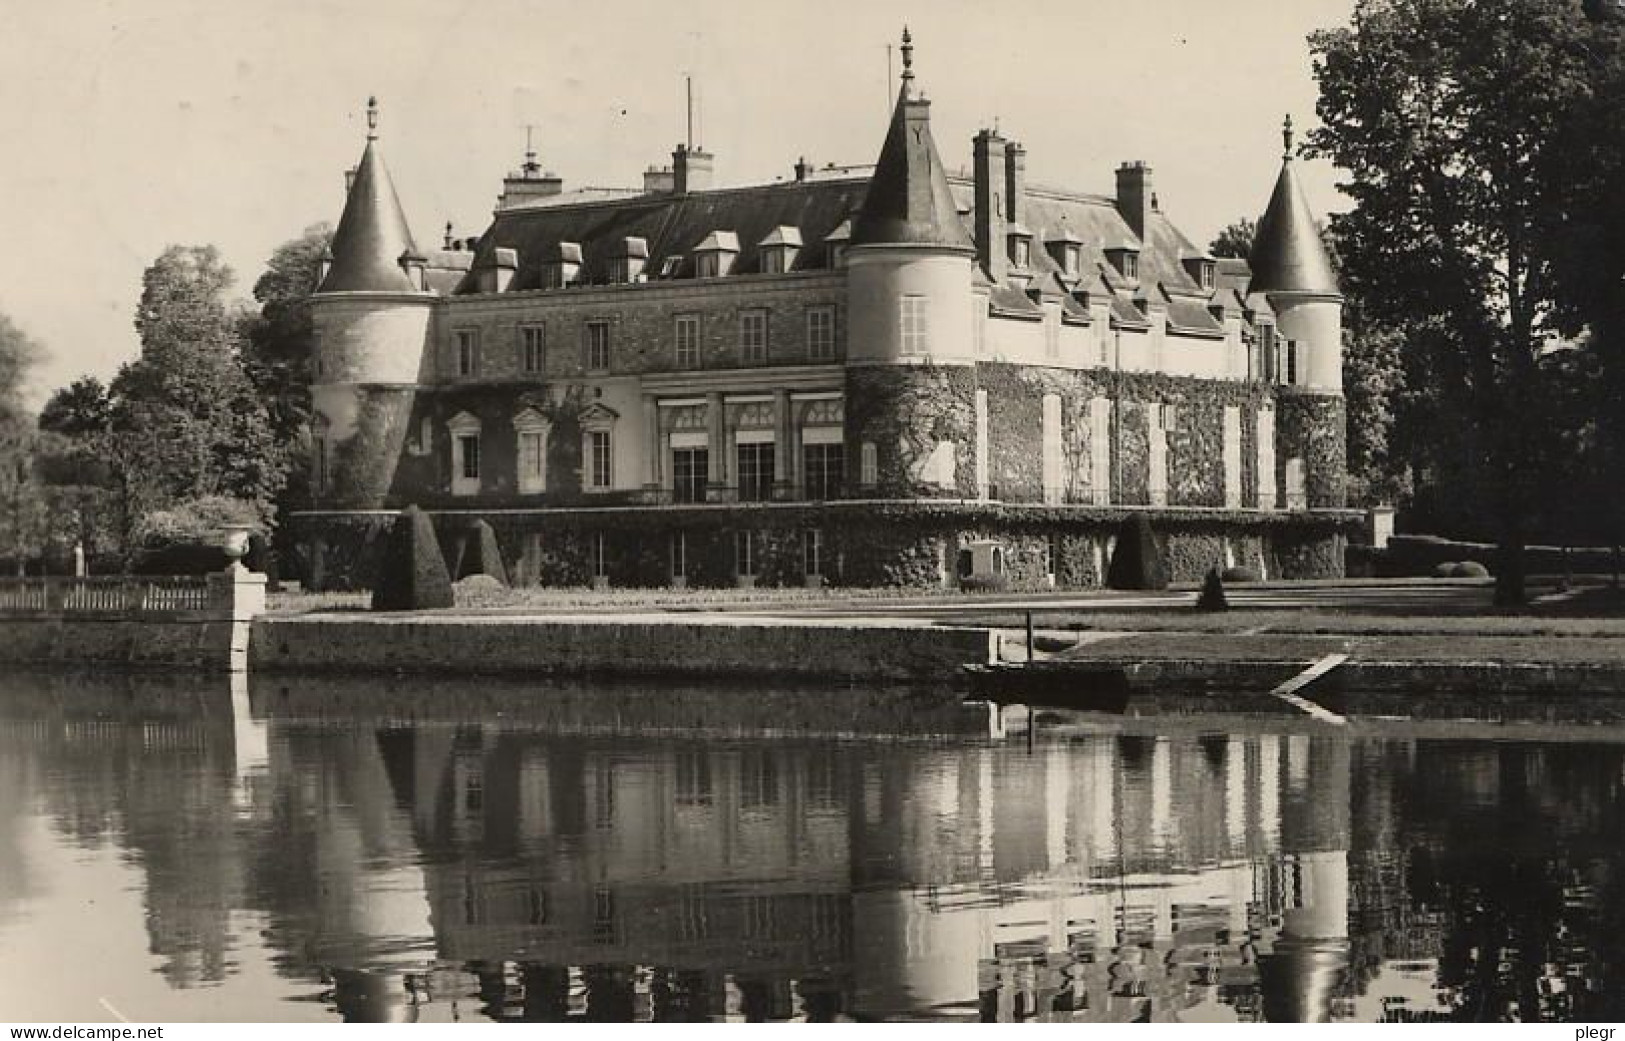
(1314,427)
(906,412)
(901,544)
(1195,445)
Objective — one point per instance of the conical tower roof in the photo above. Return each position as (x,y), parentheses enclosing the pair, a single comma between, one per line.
(372,235)
(1288,255)
(909,201)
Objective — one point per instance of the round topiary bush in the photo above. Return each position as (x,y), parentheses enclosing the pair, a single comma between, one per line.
(1469,569)
(1239,575)
(412,575)
(1445,569)
(1137,560)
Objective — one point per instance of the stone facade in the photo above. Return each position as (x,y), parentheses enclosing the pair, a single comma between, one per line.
(894,339)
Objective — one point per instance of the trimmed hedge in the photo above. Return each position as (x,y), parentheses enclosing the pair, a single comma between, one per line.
(1137,560)
(476,553)
(413,574)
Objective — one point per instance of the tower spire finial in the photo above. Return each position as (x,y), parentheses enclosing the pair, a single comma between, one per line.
(531,166)
(1286,137)
(372,118)
(908,60)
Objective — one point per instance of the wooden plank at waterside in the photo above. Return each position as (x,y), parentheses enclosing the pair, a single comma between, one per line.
(1288,691)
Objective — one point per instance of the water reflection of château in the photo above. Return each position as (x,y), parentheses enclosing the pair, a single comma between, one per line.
(420,870)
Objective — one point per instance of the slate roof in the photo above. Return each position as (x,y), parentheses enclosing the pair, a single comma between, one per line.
(372,234)
(1288,255)
(909,201)
(672,226)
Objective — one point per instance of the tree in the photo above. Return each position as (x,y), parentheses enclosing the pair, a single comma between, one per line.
(23,517)
(1450,115)
(1235,241)
(280,337)
(187,420)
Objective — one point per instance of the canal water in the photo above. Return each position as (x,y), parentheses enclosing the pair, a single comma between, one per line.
(175,850)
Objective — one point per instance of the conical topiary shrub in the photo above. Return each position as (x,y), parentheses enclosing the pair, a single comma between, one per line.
(1137,560)
(1213,598)
(478,553)
(412,574)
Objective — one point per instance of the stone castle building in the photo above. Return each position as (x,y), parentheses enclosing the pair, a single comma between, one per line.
(895,376)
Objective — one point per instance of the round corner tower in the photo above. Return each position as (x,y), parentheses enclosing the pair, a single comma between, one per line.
(371,316)
(910,383)
(1291,268)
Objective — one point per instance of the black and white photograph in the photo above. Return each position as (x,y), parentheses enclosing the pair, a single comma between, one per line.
(1074,511)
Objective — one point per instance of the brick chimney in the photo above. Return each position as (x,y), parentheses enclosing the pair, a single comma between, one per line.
(1015,182)
(1136,198)
(990,174)
(690,169)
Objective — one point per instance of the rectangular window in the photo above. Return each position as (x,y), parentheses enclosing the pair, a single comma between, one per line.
(687,335)
(868,465)
(820,333)
(745,553)
(1291,366)
(915,331)
(532,342)
(468,352)
(812,552)
(689,468)
(679,554)
(753,337)
(532,461)
(597,346)
(823,467)
(756,471)
(600,475)
(1052,334)
(470,445)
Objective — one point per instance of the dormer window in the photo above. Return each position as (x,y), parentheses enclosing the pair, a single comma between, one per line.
(630,260)
(1202,271)
(714,257)
(1126,259)
(780,249)
(561,266)
(835,243)
(1021,245)
(1066,249)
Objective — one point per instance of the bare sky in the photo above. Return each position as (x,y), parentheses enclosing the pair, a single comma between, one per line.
(132,125)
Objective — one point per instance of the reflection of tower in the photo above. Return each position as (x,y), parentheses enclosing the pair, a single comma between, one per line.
(370,997)
(1305,968)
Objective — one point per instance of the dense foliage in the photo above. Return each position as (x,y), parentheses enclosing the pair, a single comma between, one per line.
(412,575)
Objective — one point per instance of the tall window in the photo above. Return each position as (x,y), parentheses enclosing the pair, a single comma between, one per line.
(600,473)
(1291,366)
(532,343)
(753,337)
(820,333)
(823,466)
(688,341)
(532,461)
(756,471)
(744,553)
(812,552)
(1052,334)
(597,346)
(679,554)
(470,446)
(915,328)
(468,352)
(689,467)
(319,459)
(868,465)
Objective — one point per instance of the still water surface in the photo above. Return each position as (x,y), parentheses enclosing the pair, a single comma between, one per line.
(166,854)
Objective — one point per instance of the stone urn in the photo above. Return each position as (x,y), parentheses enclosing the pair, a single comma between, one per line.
(234,542)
